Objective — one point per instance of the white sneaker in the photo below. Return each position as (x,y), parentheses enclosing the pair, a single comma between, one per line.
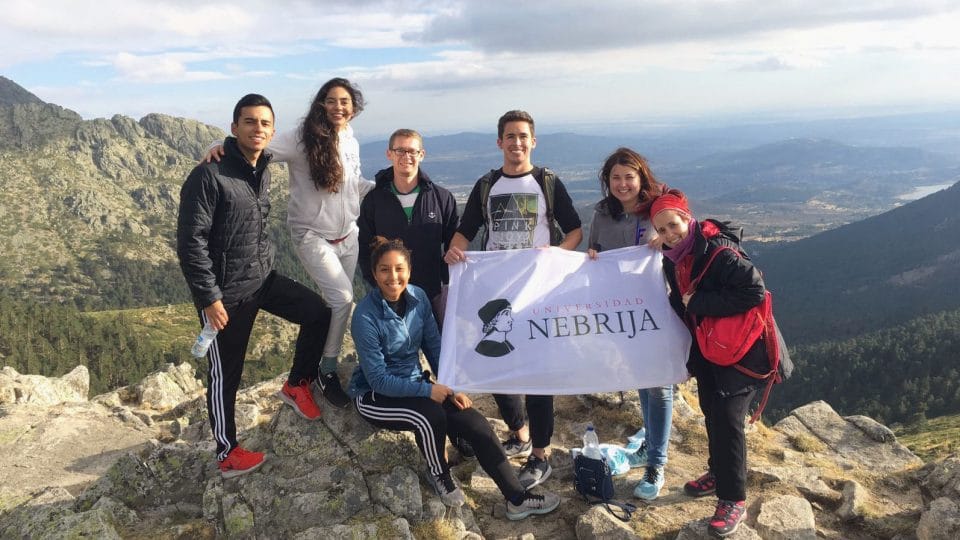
(533,504)
(448,490)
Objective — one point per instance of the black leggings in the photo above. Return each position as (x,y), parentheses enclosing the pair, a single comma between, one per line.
(539,410)
(431,422)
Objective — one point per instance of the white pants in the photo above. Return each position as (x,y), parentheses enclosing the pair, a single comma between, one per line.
(332,267)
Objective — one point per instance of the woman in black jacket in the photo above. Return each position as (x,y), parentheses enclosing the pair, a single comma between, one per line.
(730,285)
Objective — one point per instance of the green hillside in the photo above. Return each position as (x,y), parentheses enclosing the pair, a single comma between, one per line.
(877,273)
(901,374)
(932,439)
(121,347)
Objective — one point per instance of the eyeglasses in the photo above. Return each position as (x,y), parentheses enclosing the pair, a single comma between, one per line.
(406,152)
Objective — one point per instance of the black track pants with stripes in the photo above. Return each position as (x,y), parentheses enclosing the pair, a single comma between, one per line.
(431,422)
(284,298)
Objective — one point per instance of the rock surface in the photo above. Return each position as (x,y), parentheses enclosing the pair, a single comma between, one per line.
(138,461)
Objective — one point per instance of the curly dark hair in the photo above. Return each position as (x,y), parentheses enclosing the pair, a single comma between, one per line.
(319,137)
(381,245)
(650,187)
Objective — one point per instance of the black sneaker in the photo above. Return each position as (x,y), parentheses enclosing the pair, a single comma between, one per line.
(534,472)
(514,447)
(329,385)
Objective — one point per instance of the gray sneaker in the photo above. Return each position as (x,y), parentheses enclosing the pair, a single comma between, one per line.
(534,472)
(514,447)
(449,492)
(533,504)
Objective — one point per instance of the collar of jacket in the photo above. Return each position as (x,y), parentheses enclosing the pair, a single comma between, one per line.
(381,302)
(384,178)
(232,152)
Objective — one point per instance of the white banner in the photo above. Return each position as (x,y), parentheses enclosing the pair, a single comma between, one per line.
(550,321)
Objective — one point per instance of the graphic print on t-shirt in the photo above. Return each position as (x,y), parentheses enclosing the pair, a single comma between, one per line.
(513,220)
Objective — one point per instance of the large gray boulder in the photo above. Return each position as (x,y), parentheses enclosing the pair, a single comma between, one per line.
(786,518)
(941,479)
(849,440)
(43,391)
(164,390)
(941,521)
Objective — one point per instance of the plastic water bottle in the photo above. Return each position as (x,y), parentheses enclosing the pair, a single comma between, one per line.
(591,444)
(206,337)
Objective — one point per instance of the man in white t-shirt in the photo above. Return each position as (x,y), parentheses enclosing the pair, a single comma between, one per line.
(512,208)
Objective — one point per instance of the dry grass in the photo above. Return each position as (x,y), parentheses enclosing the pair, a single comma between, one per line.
(439,529)
(807,443)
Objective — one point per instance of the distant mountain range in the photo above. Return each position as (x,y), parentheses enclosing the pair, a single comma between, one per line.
(782,190)
(89,209)
(91,204)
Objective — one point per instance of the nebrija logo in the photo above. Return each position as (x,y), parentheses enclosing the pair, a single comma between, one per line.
(497,318)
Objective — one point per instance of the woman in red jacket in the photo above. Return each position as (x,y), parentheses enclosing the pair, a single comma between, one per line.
(730,284)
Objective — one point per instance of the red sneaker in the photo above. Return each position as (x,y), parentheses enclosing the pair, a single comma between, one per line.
(240,461)
(726,519)
(701,487)
(301,399)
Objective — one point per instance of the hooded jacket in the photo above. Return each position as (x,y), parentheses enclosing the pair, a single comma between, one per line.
(222,242)
(427,235)
(731,285)
(330,215)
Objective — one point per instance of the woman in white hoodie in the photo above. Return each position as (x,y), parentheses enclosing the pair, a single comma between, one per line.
(326,187)
(325,191)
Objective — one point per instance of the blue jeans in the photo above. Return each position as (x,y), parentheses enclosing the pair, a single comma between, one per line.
(657,406)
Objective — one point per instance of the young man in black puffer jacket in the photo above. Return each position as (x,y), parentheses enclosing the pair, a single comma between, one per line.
(227,259)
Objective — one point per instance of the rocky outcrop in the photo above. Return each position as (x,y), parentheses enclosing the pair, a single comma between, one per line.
(12,93)
(138,461)
(29,125)
(941,521)
(186,136)
(42,391)
(853,443)
(90,193)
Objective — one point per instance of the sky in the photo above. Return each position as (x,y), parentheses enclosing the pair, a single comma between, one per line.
(446,66)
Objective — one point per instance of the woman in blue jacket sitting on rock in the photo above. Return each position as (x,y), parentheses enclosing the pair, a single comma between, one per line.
(390,390)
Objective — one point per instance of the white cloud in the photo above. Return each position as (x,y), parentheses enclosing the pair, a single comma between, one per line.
(571,25)
(458,62)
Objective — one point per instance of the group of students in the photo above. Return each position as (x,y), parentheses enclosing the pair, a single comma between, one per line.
(404,230)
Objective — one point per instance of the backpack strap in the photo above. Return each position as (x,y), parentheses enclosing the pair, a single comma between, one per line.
(548,183)
(620,510)
(547,180)
(695,282)
(772,345)
(769,336)
(486,183)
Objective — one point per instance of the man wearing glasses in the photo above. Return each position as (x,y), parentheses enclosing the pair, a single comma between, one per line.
(405,204)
